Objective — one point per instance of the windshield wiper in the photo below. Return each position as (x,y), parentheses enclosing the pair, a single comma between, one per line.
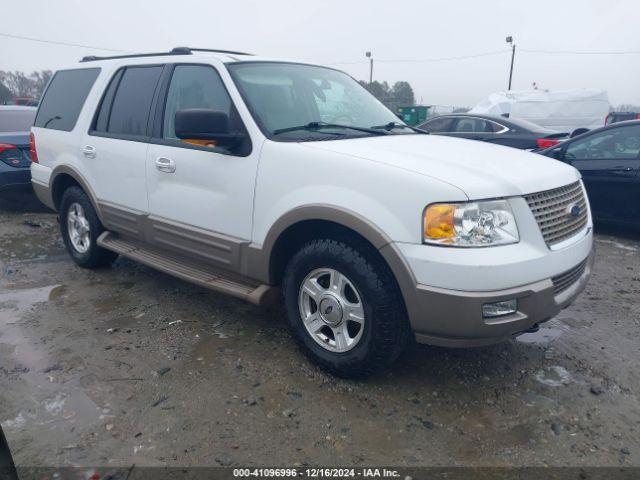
(317,126)
(391,125)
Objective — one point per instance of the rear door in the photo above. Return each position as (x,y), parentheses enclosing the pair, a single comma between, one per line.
(115,148)
(200,197)
(609,161)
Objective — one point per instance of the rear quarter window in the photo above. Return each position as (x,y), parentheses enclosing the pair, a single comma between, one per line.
(64,98)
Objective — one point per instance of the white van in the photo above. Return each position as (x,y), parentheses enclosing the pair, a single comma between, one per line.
(251,176)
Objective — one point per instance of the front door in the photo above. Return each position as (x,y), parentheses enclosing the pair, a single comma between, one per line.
(609,162)
(200,197)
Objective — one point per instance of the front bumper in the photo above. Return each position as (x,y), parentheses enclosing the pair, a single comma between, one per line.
(452,318)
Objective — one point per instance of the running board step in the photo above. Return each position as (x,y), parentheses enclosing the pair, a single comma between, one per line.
(187,269)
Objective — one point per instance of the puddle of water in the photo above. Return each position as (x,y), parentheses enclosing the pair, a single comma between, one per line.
(18,301)
(537,401)
(44,402)
(13,304)
(554,376)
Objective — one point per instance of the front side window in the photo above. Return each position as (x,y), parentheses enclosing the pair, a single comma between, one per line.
(285,95)
(131,103)
(616,143)
(63,100)
(194,86)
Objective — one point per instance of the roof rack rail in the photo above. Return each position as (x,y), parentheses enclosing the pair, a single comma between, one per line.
(180,50)
(175,51)
(92,58)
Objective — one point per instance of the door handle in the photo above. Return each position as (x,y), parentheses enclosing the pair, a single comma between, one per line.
(89,151)
(165,165)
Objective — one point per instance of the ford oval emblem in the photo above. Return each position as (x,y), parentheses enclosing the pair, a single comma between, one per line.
(574,210)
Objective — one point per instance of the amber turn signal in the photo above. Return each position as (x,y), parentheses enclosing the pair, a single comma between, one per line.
(438,221)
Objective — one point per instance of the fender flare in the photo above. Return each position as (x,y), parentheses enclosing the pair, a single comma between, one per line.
(79,178)
(259,258)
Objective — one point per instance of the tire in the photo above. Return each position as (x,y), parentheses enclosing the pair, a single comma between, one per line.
(86,253)
(384,332)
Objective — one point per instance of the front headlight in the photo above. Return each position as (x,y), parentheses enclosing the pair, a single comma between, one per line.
(474,224)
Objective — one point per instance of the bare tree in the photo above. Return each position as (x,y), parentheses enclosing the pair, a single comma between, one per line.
(21,85)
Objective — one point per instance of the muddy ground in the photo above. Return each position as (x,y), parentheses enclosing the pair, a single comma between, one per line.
(130,366)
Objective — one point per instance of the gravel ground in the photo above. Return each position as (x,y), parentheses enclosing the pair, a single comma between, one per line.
(127,366)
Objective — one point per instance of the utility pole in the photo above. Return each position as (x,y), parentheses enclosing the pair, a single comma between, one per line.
(368,54)
(509,40)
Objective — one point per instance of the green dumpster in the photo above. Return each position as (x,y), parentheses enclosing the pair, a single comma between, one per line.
(414,115)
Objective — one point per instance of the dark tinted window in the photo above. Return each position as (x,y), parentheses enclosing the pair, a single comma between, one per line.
(16,119)
(64,98)
(471,125)
(438,124)
(621,143)
(132,101)
(493,127)
(102,119)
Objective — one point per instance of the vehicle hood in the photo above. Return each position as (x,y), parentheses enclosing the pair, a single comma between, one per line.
(481,170)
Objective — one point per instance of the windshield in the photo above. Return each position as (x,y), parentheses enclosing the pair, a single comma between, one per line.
(282,96)
(16,120)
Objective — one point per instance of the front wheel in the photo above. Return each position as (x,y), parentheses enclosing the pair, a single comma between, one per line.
(344,307)
(81,228)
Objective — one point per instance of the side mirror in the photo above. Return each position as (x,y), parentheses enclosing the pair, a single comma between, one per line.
(558,153)
(205,124)
(578,131)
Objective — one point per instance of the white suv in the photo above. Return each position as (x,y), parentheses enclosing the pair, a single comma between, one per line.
(248,176)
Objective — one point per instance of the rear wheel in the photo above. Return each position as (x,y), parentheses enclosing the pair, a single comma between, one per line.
(81,228)
(344,307)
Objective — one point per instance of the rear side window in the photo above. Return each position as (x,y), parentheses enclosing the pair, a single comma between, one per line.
(125,107)
(470,125)
(440,124)
(64,98)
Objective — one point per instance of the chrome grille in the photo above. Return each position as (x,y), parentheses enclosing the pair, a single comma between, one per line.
(551,211)
(565,280)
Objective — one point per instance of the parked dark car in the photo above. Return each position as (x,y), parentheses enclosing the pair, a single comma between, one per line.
(512,132)
(615,117)
(609,160)
(15,156)
(7,467)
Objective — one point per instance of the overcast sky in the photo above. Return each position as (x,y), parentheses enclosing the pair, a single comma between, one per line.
(339,32)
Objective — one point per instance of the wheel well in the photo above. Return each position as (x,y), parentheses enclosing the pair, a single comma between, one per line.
(60,184)
(296,235)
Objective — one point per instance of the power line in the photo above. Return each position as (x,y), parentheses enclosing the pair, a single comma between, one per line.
(487,54)
(575,52)
(66,44)
(426,60)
